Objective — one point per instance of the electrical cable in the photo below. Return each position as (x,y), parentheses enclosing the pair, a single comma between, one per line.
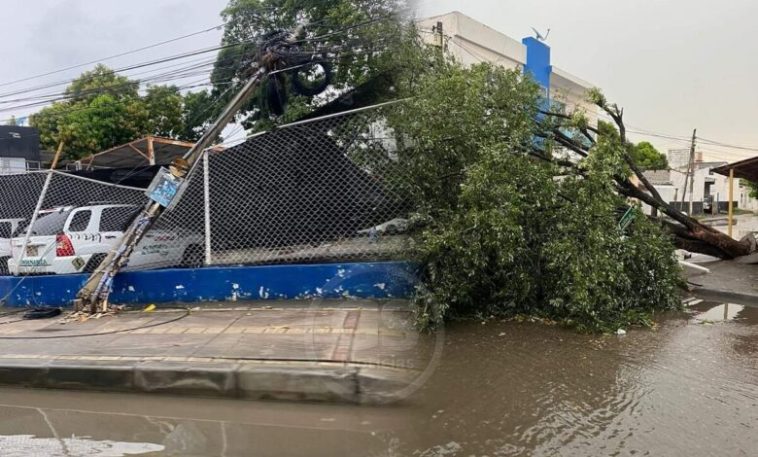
(134,51)
(175,57)
(187,312)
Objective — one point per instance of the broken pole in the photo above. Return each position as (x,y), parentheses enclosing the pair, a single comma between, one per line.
(94,294)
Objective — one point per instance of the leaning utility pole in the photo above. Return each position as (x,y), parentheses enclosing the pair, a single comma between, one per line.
(93,296)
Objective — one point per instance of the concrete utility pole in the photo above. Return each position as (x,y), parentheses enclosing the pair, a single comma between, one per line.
(690,175)
(94,294)
(692,167)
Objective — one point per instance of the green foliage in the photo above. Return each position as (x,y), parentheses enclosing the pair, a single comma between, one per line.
(647,157)
(752,187)
(504,233)
(365,34)
(104,109)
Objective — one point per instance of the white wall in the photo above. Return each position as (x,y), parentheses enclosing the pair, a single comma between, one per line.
(12,165)
(667,193)
(471,42)
(572,92)
(720,185)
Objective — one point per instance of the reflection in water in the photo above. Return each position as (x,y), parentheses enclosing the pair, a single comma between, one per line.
(501,389)
(28,445)
(720,313)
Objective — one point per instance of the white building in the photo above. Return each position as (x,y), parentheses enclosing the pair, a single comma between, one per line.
(709,189)
(471,42)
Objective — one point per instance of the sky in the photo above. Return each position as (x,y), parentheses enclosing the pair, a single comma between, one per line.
(674,65)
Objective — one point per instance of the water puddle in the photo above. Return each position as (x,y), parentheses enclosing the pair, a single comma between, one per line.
(27,445)
(712,313)
(687,387)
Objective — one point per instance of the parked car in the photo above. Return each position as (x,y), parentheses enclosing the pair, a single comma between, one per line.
(708,204)
(76,240)
(7,228)
(391,227)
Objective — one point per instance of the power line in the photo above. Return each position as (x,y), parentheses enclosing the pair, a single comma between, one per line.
(133,51)
(131,67)
(726,145)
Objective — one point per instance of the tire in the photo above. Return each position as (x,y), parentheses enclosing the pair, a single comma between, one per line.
(303,87)
(4,270)
(93,263)
(193,257)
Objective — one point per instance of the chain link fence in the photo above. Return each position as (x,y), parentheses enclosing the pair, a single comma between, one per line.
(319,191)
(66,213)
(324,190)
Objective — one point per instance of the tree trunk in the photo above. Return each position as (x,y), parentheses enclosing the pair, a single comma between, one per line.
(689,233)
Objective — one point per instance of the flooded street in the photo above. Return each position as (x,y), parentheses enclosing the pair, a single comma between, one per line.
(500,389)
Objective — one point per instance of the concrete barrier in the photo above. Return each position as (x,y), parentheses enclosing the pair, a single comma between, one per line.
(224,284)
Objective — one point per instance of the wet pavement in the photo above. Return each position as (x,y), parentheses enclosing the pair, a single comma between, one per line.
(333,351)
(498,389)
(728,280)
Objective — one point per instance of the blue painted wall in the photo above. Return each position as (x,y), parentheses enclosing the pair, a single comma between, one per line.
(277,282)
(538,63)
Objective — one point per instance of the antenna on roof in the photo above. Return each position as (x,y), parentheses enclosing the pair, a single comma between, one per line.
(539,36)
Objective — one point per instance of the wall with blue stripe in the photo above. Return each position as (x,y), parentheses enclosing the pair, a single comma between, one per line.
(226,284)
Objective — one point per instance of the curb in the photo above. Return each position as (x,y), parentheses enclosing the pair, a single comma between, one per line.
(259,380)
(716,294)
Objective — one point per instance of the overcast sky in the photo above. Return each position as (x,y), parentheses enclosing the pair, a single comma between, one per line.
(673,64)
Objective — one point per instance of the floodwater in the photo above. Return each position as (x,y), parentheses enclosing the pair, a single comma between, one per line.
(745,224)
(500,389)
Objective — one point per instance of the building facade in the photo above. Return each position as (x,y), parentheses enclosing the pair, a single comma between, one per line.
(470,42)
(710,190)
(19,149)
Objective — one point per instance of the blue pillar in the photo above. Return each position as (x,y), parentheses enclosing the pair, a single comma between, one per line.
(538,63)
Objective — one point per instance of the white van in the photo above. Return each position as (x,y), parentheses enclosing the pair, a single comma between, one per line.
(76,240)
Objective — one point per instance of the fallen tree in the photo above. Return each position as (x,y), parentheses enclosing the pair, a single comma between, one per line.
(689,233)
(503,227)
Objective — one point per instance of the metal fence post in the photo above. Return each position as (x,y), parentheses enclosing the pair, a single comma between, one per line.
(207,206)
(33,220)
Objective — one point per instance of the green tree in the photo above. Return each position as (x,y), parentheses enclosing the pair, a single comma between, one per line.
(648,157)
(361,36)
(752,188)
(503,229)
(102,109)
(199,107)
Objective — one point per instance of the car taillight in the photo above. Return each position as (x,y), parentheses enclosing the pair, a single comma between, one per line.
(63,246)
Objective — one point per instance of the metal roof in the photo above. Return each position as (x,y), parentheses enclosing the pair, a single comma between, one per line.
(745,169)
(150,150)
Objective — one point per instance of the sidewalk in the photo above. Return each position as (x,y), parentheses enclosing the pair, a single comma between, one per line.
(729,280)
(357,351)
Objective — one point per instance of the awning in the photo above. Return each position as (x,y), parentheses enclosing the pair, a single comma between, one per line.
(745,169)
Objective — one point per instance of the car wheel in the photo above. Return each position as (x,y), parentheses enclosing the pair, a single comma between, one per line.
(194,256)
(93,263)
(4,270)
